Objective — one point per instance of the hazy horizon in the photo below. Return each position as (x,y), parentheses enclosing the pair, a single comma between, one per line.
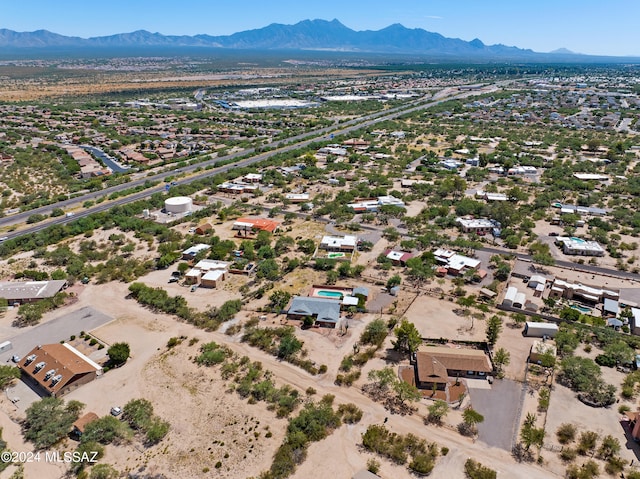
(593,27)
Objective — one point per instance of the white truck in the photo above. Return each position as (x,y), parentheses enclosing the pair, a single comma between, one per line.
(539,330)
(5,346)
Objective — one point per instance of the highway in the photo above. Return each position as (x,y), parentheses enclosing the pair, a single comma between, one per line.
(249,157)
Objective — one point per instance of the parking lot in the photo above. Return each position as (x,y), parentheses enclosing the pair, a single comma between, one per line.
(58,329)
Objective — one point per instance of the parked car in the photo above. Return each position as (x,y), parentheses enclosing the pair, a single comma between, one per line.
(15,358)
(116,410)
(173,279)
(553,234)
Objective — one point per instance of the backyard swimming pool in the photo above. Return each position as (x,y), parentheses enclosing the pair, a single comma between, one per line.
(329,294)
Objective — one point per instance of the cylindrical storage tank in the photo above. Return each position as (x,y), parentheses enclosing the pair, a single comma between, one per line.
(178,204)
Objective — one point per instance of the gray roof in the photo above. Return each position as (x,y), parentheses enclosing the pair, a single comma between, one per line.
(611,306)
(361,290)
(323,309)
(29,290)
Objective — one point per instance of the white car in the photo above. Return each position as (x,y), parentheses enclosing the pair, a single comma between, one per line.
(116,411)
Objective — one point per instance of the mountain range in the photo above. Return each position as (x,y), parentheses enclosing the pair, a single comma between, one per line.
(317,35)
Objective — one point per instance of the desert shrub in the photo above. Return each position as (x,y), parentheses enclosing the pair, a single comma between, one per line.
(350,413)
(475,470)
(566,433)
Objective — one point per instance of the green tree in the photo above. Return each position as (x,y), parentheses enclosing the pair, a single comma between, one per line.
(405,391)
(437,411)
(137,412)
(49,420)
(529,434)
(501,358)
(268,269)
(375,332)
(393,281)
(620,352)
(470,420)
(494,326)
(408,337)
(289,345)
(383,379)
(7,375)
(118,353)
(106,430)
(279,299)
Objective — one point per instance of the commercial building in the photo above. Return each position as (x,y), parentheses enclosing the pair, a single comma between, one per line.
(30,291)
(56,369)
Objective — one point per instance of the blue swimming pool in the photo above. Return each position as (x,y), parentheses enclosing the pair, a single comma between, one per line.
(329,294)
(582,309)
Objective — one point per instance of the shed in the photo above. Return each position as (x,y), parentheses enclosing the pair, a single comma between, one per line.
(81,423)
(204,229)
(510,296)
(537,280)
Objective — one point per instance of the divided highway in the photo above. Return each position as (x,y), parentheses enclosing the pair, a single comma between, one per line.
(248,157)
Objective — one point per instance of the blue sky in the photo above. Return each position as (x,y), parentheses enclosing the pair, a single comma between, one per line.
(607,27)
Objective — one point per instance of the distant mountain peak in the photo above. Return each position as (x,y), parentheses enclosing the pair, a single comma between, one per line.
(563,51)
(310,34)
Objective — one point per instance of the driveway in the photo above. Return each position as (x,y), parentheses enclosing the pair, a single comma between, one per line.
(54,331)
(500,407)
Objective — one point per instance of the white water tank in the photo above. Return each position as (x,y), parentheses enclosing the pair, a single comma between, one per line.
(178,204)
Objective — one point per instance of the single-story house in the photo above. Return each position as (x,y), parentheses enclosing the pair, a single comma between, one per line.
(253,224)
(398,258)
(191,252)
(345,243)
(325,312)
(211,279)
(434,365)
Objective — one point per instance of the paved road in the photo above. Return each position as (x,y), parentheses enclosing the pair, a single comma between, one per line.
(54,331)
(244,158)
(568,264)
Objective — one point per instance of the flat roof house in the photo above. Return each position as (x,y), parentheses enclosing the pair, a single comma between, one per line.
(191,252)
(580,247)
(326,312)
(56,369)
(345,243)
(475,225)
